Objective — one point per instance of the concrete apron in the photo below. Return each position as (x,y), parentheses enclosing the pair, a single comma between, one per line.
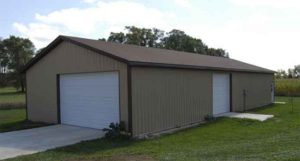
(259,117)
(35,140)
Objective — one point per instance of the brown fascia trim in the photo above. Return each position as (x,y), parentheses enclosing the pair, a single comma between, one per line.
(230,92)
(26,99)
(129,90)
(58,114)
(45,51)
(57,41)
(96,50)
(178,66)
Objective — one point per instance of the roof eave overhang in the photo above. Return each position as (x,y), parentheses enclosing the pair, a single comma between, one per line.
(179,66)
(44,51)
(60,39)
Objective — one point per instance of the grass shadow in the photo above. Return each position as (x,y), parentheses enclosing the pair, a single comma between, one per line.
(97,146)
(11,93)
(100,146)
(261,108)
(21,125)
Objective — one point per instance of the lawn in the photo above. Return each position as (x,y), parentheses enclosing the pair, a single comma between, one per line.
(15,119)
(11,95)
(223,139)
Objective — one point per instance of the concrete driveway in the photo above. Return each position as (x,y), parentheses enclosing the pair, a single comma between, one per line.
(35,140)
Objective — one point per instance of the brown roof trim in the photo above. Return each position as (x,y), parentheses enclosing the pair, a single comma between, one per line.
(96,50)
(179,66)
(60,39)
(46,50)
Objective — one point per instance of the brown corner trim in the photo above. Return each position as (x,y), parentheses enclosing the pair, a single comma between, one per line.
(230,86)
(58,98)
(26,101)
(129,81)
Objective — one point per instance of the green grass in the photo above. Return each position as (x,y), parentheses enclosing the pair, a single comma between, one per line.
(284,87)
(12,112)
(11,95)
(10,116)
(224,139)
(15,119)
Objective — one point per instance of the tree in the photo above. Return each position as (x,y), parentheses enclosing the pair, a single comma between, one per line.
(143,36)
(137,36)
(173,40)
(3,58)
(3,65)
(280,74)
(217,52)
(102,39)
(291,73)
(297,71)
(158,35)
(178,40)
(17,52)
(118,37)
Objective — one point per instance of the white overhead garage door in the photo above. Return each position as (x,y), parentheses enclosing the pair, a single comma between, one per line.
(90,99)
(221,93)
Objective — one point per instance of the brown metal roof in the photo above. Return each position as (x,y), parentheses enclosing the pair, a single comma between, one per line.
(142,56)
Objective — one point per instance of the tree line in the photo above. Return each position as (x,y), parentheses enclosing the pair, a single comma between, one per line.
(173,40)
(290,73)
(15,51)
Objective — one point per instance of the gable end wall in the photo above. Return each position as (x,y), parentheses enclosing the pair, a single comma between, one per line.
(67,58)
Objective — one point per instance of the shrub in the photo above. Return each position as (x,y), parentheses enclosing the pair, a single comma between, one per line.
(115,130)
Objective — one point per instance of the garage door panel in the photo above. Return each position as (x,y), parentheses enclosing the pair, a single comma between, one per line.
(89,100)
(221,93)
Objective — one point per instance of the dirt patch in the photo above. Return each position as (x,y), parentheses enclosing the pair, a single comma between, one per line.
(119,158)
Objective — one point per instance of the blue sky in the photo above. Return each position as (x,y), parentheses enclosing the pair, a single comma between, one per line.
(261,32)
(26,9)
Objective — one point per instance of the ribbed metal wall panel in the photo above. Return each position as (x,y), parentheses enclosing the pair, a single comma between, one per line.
(257,87)
(168,98)
(67,58)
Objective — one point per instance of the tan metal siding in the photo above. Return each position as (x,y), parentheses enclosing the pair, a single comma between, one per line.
(67,58)
(258,90)
(168,98)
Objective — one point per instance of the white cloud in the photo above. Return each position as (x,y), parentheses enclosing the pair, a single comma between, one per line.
(40,34)
(183,3)
(89,1)
(257,37)
(268,3)
(94,21)
(82,21)
(254,39)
